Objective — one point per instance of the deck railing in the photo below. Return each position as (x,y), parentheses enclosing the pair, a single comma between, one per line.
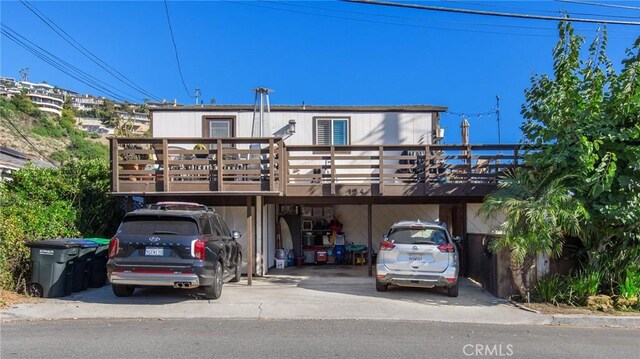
(268,165)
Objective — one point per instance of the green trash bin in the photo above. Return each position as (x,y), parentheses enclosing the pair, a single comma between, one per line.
(99,263)
(52,265)
(82,269)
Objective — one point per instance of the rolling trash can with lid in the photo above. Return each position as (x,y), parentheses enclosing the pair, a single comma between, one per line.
(52,266)
(82,268)
(98,276)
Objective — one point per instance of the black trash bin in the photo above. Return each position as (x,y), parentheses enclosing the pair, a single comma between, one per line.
(52,265)
(82,268)
(99,263)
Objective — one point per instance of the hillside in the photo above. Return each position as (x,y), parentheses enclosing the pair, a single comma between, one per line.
(34,146)
(26,129)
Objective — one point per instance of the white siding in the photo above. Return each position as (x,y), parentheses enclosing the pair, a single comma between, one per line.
(365,128)
(478,224)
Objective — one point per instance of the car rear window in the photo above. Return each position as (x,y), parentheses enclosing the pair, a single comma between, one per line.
(417,236)
(158,225)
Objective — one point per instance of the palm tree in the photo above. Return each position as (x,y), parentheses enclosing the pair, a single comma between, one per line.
(540,212)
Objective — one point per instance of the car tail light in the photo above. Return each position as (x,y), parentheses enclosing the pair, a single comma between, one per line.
(113,247)
(198,249)
(386,246)
(447,248)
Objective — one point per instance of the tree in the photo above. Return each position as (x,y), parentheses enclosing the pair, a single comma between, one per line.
(540,212)
(587,116)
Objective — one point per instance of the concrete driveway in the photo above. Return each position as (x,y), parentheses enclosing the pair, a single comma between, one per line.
(293,293)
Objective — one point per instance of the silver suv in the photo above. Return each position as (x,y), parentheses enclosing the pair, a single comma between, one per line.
(418,254)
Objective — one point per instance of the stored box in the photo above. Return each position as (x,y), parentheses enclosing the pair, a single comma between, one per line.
(321,256)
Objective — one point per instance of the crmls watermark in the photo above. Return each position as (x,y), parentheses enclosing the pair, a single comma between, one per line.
(487,350)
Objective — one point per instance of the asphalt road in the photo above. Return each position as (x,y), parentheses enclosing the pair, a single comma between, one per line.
(210,338)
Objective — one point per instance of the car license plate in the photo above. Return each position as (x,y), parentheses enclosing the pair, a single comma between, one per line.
(154,251)
(415,258)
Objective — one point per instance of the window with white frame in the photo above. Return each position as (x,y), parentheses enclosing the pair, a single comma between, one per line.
(332,131)
(215,127)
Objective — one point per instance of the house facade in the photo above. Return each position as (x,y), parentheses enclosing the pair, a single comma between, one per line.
(280,176)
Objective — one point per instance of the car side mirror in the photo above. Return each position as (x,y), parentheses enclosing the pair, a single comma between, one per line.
(457,239)
(236,234)
(385,236)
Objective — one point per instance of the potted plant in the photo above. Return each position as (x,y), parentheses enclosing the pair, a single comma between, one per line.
(201,147)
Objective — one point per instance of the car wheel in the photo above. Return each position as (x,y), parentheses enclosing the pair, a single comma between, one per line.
(122,290)
(215,290)
(453,290)
(238,274)
(35,290)
(381,287)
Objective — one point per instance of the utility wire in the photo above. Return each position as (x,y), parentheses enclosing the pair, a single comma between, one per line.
(60,64)
(387,22)
(487,4)
(27,140)
(414,18)
(600,4)
(494,13)
(175,48)
(83,50)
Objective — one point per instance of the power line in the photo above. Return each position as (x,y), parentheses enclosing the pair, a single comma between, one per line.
(27,140)
(536,10)
(388,22)
(175,48)
(493,13)
(419,19)
(83,50)
(600,4)
(60,64)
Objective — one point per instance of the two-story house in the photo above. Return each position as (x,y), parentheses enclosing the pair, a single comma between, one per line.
(281,176)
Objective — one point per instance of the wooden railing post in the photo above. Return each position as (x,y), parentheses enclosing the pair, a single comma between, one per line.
(219,163)
(271,164)
(381,169)
(115,166)
(165,164)
(515,157)
(333,170)
(285,170)
(469,167)
(427,165)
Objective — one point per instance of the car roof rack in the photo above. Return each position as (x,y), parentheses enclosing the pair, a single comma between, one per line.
(182,206)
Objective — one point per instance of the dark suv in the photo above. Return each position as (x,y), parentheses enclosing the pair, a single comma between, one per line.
(175,244)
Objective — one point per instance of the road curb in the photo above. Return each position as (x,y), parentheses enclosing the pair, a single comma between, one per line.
(595,320)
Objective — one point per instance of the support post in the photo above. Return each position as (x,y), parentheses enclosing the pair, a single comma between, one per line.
(219,163)
(370,240)
(381,169)
(165,164)
(249,243)
(115,166)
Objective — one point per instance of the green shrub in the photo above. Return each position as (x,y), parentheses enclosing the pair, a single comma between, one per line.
(42,203)
(581,285)
(550,289)
(631,286)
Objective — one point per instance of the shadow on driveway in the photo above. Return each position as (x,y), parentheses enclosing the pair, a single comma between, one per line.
(355,281)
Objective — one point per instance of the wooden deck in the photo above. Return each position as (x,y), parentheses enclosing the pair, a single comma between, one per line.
(268,167)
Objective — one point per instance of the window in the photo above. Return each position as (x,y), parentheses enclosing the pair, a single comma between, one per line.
(217,127)
(158,225)
(332,131)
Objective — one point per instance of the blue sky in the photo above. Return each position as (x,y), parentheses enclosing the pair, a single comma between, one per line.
(322,53)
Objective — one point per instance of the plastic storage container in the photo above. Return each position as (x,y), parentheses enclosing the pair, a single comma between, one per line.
(321,256)
(280,263)
(82,269)
(98,277)
(52,267)
(309,257)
